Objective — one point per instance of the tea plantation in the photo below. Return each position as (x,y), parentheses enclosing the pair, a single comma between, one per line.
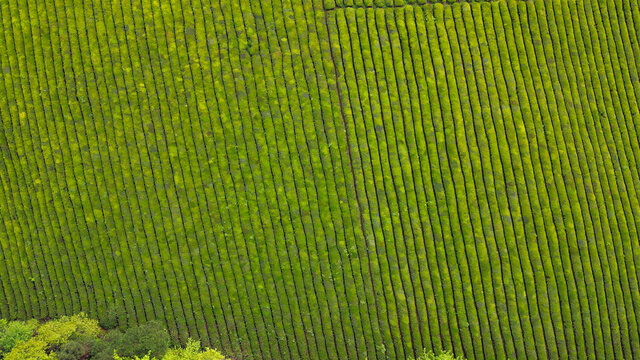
(327,179)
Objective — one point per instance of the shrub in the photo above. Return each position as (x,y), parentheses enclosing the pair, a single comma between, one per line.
(104,349)
(113,337)
(146,357)
(104,355)
(78,348)
(32,349)
(443,355)
(111,319)
(57,332)
(151,338)
(73,350)
(51,336)
(80,338)
(14,332)
(192,352)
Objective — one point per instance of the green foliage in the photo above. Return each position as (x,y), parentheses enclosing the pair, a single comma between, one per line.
(192,352)
(150,338)
(146,357)
(57,332)
(79,338)
(104,355)
(32,349)
(443,355)
(78,348)
(73,350)
(51,336)
(104,349)
(15,331)
(111,319)
(285,181)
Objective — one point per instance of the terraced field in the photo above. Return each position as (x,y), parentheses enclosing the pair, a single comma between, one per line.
(347,179)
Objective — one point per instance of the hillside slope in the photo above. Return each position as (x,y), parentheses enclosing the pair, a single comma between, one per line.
(341,179)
